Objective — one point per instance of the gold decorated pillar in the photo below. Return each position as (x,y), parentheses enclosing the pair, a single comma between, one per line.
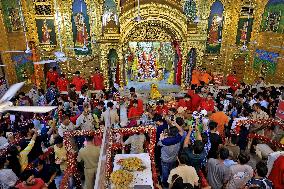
(6,58)
(121,66)
(104,64)
(231,18)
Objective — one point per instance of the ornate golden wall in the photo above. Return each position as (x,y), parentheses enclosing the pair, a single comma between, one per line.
(166,22)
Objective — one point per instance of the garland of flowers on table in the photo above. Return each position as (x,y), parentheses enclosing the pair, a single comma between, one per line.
(117,146)
(113,146)
(268,122)
(72,156)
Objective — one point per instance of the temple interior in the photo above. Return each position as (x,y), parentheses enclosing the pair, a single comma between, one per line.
(161,73)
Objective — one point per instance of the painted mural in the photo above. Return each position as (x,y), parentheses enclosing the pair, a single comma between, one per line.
(12,18)
(110,12)
(215,27)
(46,31)
(80,27)
(265,62)
(24,67)
(244,31)
(272,18)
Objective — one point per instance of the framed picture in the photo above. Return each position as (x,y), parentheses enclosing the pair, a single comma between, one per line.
(46,31)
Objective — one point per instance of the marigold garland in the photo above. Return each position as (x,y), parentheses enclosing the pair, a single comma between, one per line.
(268,122)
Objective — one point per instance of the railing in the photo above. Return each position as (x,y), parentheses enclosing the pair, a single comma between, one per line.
(72,169)
(108,149)
(265,122)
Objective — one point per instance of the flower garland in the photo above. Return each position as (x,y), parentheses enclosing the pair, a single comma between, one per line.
(266,140)
(130,131)
(112,147)
(268,122)
(72,156)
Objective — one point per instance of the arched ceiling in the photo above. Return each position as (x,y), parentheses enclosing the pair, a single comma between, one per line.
(159,21)
(151,31)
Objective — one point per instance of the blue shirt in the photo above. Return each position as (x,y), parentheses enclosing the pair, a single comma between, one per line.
(160,129)
(174,140)
(262,183)
(169,153)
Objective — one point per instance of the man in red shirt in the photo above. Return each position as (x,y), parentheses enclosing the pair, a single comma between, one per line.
(208,103)
(29,182)
(133,112)
(195,101)
(132,91)
(185,102)
(277,173)
(139,103)
(51,75)
(98,80)
(78,81)
(233,81)
(161,108)
(191,91)
(62,83)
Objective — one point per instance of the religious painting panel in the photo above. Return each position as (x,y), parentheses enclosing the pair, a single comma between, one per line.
(81,27)
(46,31)
(150,61)
(215,27)
(24,67)
(265,62)
(12,15)
(244,31)
(110,13)
(272,18)
(113,66)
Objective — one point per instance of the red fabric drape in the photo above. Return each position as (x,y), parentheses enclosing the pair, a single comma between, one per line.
(179,64)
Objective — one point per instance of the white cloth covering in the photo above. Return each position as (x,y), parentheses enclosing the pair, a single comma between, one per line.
(140,177)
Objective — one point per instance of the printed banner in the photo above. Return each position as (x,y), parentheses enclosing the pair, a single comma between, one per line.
(215,27)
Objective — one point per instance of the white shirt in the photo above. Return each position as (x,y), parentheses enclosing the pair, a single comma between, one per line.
(8,178)
(226,104)
(110,117)
(63,128)
(252,102)
(115,105)
(136,142)
(85,122)
(187,173)
(3,142)
(264,104)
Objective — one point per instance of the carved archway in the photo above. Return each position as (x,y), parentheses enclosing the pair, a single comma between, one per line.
(160,22)
(171,20)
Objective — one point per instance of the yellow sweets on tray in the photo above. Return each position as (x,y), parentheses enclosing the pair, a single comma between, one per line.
(121,179)
(131,164)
